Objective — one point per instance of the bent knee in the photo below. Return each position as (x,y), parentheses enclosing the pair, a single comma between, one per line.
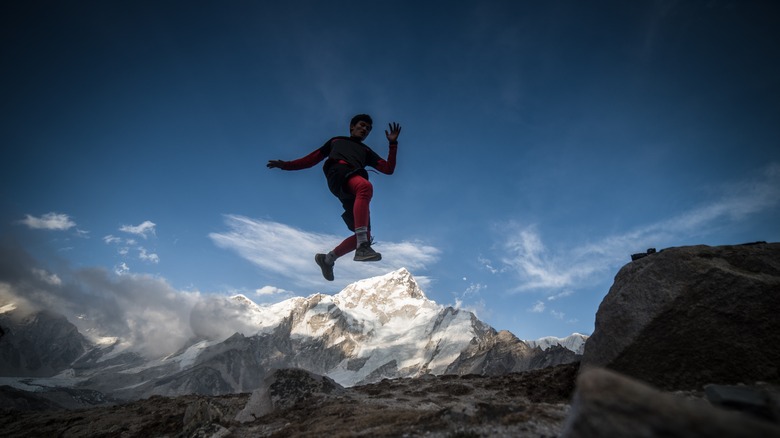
(361,187)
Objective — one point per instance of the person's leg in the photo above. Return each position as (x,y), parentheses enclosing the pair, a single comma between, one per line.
(347,246)
(363,191)
(361,240)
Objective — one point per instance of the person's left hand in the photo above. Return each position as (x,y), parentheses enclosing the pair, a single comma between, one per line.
(395,130)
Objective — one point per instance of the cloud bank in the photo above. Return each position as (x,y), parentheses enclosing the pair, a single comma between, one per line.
(144,311)
(288,252)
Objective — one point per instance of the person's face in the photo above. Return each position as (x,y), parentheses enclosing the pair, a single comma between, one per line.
(360,130)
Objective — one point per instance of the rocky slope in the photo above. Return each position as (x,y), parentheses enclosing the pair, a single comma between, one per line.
(39,344)
(516,404)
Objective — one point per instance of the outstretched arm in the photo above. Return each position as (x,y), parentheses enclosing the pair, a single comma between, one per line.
(301,163)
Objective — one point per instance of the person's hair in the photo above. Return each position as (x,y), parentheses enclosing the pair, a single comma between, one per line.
(361,118)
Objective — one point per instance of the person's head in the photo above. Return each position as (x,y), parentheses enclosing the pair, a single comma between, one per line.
(360,126)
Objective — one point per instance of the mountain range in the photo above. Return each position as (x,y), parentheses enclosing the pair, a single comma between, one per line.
(574,342)
(378,328)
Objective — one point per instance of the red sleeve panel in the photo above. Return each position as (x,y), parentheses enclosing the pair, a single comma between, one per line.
(388,166)
(309,160)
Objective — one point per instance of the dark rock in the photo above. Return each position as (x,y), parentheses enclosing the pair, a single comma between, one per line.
(12,399)
(497,353)
(690,316)
(607,404)
(202,418)
(760,402)
(642,254)
(39,344)
(283,389)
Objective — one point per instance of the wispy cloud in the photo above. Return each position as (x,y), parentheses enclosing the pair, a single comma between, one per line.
(538,307)
(288,252)
(51,279)
(560,295)
(539,268)
(124,245)
(270,290)
(144,229)
(557,315)
(111,239)
(148,257)
(121,269)
(49,221)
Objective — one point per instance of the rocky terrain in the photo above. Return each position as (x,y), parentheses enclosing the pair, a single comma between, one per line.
(685,345)
(518,404)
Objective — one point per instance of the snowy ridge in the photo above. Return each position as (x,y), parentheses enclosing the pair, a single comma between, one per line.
(574,342)
(265,318)
(391,325)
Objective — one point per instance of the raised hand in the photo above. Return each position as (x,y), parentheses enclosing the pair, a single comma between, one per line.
(395,130)
(275,164)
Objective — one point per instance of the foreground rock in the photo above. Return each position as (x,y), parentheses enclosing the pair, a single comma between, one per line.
(689,316)
(607,404)
(284,389)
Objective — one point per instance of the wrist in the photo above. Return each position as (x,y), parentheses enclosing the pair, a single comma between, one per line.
(393,142)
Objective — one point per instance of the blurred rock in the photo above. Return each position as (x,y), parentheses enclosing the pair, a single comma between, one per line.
(760,401)
(607,404)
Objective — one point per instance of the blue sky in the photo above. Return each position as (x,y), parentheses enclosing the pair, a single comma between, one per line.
(542,144)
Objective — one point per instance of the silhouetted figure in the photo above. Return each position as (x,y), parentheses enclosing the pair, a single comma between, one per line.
(346,159)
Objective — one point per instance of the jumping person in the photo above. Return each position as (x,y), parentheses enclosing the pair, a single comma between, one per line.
(346,159)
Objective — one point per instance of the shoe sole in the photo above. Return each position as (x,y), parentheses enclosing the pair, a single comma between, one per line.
(371,258)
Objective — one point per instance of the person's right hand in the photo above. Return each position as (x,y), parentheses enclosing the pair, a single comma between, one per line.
(275,164)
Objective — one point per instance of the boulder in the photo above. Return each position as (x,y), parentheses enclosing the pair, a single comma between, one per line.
(607,404)
(689,316)
(283,389)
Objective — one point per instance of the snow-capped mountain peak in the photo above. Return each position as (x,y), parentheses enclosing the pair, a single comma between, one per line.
(396,294)
(243,301)
(574,342)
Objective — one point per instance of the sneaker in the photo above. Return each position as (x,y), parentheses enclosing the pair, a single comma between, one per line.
(364,253)
(327,268)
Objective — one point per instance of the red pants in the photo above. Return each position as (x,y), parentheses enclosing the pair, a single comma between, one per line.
(363,191)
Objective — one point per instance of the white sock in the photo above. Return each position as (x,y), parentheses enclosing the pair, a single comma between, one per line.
(362,235)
